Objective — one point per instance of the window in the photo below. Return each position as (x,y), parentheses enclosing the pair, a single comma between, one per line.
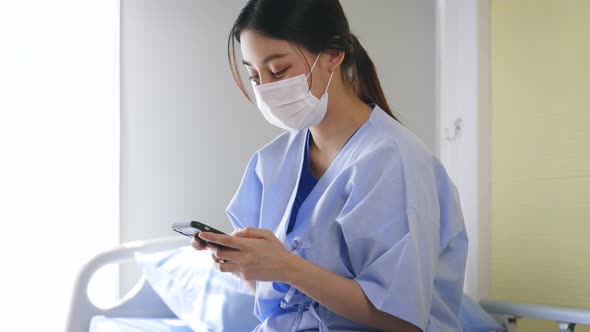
(59,154)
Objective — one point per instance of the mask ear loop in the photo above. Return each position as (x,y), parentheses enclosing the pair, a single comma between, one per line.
(312,67)
(329,80)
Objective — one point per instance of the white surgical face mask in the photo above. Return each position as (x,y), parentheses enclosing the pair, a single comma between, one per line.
(289,103)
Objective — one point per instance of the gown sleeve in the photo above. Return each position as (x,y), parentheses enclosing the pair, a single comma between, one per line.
(392,247)
(244,208)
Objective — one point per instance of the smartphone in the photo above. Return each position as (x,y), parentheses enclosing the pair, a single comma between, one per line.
(193,227)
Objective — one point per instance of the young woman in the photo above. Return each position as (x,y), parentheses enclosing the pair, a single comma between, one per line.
(346,222)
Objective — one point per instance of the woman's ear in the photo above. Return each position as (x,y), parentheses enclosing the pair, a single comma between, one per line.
(335,58)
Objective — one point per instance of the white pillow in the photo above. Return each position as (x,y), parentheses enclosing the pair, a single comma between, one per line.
(206,299)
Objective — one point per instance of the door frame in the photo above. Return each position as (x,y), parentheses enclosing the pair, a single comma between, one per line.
(463,123)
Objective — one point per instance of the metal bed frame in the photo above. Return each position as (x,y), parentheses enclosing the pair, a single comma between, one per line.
(143,302)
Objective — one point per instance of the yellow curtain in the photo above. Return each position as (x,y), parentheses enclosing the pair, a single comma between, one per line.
(540,68)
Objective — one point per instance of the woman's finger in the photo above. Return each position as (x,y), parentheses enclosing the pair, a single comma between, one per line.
(214,257)
(226,254)
(226,266)
(219,261)
(252,232)
(198,244)
(221,239)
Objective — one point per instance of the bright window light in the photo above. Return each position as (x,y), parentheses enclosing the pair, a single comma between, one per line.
(59,154)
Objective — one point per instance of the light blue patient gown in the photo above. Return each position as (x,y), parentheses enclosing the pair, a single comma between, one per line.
(384,213)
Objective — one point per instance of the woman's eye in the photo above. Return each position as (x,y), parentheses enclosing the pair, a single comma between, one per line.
(279,73)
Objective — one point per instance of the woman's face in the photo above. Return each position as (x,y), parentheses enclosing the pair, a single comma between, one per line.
(269,60)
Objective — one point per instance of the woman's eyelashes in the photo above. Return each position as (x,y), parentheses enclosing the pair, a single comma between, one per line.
(275,74)
(280,72)
(254,79)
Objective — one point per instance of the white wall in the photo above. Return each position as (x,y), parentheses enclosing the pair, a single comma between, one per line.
(187,132)
(399,36)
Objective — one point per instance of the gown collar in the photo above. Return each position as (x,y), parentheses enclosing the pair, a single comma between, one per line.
(302,220)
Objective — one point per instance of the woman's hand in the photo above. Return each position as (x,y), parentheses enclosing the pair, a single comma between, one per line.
(249,254)
(197,243)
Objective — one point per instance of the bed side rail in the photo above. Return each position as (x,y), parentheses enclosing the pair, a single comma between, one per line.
(510,312)
(141,301)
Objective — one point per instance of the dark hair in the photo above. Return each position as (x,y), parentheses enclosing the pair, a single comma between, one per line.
(317,25)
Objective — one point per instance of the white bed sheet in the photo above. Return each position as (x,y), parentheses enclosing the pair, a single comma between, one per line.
(108,324)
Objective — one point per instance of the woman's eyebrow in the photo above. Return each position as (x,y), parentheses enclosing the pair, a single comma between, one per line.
(267,59)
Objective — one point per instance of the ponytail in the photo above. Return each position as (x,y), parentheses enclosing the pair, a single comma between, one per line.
(364,78)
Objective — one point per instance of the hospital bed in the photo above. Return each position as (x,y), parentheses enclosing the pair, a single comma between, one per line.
(141,309)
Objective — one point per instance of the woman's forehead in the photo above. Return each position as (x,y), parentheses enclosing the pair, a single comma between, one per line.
(257,47)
